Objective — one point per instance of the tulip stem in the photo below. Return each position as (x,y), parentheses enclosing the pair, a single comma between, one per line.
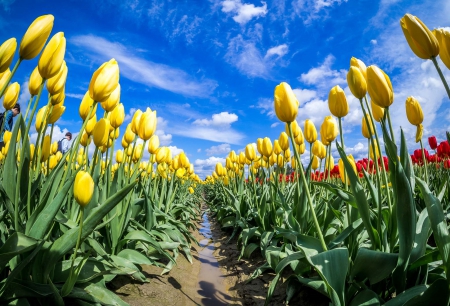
(341,134)
(28,107)
(424,161)
(441,75)
(74,256)
(2,90)
(390,124)
(308,195)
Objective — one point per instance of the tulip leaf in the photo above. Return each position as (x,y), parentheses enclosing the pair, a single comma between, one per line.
(407,295)
(365,298)
(16,244)
(10,166)
(343,194)
(438,293)
(373,265)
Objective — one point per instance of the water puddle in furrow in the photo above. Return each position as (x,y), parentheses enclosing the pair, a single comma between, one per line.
(211,286)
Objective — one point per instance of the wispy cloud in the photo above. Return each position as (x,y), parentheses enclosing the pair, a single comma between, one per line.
(243,12)
(223,120)
(310,10)
(324,74)
(218,150)
(141,70)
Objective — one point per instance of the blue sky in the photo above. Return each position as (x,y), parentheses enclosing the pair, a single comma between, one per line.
(209,68)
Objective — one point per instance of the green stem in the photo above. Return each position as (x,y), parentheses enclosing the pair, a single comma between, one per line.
(28,107)
(390,124)
(308,195)
(424,161)
(2,90)
(441,75)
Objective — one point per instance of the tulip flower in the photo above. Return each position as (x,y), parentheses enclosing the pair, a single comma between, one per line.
(161,155)
(7,50)
(191,190)
(104,81)
(295,129)
(337,102)
(58,98)
(57,112)
(443,37)
(377,112)
(315,162)
(117,116)
(267,148)
(35,37)
(283,141)
(300,138)
(147,125)
(7,136)
(112,101)
(420,39)
(329,163)
(11,96)
(57,83)
(250,153)
(35,82)
(310,131)
(413,111)
(41,120)
(184,161)
(53,56)
(137,152)
(52,161)
(317,148)
(54,147)
(432,142)
(129,134)
(86,105)
(379,87)
(153,144)
(285,103)
(91,125)
(341,168)
(276,147)
(356,82)
(4,77)
(46,146)
(367,133)
(329,129)
(83,188)
(374,146)
(354,62)
(119,156)
(101,133)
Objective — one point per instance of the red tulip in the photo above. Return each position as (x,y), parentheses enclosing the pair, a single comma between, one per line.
(432,142)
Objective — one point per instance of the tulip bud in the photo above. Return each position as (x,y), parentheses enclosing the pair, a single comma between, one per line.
(300,138)
(285,103)
(413,111)
(32,149)
(329,163)
(153,144)
(135,121)
(356,82)
(432,141)
(41,119)
(7,50)
(276,147)
(191,190)
(35,82)
(354,62)
(161,155)
(233,156)
(11,96)
(184,161)
(379,87)
(267,148)
(35,37)
(259,142)
(7,136)
(85,106)
(250,153)
(329,129)
(147,124)
(91,124)
(377,112)
(443,37)
(129,135)
(57,83)
(85,139)
(283,141)
(83,188)
(315,162)
(54,148)
(365,130)
(119,156)
(52,162)
(341,168)
(310,131)
(58,156)
(45,148)
(112,101)
(101,133)
(117,116)
(280,161)
(419,132)
(337,102)
(374,147)
(4,77)
(57,112)
(301,148)
(294,127)
(58,98)
(104,81)
(137,152)
(53,56)
(420,39)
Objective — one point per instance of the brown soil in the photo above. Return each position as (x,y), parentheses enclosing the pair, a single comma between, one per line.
(183,284)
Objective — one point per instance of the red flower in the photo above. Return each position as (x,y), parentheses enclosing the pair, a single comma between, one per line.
(443,149)
(432,142)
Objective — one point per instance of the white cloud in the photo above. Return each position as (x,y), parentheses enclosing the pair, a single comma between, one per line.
(24,97)
(209,133)
(274,124)
(141,70)
(324,74)
(204,167)
(310,10)
(266,106)
(218,150)
(224,119)
(175,150)
(304,95)
(75,96)
(280,51)
(243,12)
(164,139)
(373,41)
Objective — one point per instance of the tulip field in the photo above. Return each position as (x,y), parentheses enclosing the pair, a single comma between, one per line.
(361,232)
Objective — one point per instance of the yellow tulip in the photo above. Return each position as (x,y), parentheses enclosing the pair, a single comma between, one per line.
(86,105)
(191,190)
(147,124)
(117,116)
(259,142)
(356,82)
(374,146)
(114,134)
(54,148)
(184,160)
(80,159)
(45,148)
(119,156)
(113,100)
(280,161)
(250,153)
(135,121)
(35,37)
(315,162)
(161,155)
(125,144)
(52,57)
(242,158)
(32,149)
(35,82)
(413,111)
(443,37)
(337,102)
(294,127)
(153,144)
(377,112)
(300,138)
(317,148)
(129,135)
(285,103)
(310,131)
(233,156)
(4,77)
(341,168)
(83,188)
(367,133)
(329,163)
(56,84)
(91,125)
(11,96)
(58,98)
(354,62)
(41,119)
(101,133)
(419,132)
(7,50)
(379,87)
(137,152)
(85,139)
(57,112)
(52,162)
(7,136)
(104,81)
(58,156)
(301,148)
(329,129)
(283,141)
(267,147)
(420,39)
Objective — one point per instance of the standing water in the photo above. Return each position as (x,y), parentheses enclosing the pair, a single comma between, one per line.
(211,285)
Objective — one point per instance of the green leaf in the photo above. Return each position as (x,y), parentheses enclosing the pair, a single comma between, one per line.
(135,257)
(10,166)
(373,265)
(16,244)
(355,226)
(404,297)
(365,298)
(437,294)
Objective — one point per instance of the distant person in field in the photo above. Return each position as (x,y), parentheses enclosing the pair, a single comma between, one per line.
(8,119)
(64,144)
